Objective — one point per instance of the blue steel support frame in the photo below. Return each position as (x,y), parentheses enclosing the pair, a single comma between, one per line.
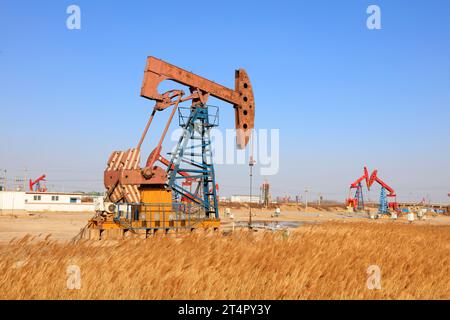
(359,197)
(383,209)
(196,127)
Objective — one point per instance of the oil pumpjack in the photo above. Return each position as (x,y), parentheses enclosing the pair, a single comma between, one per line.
(357,202)
(179,193)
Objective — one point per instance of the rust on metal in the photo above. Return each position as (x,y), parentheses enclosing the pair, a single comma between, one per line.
(123,176)
(241,97)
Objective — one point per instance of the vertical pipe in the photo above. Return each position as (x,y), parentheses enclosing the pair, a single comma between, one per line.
(251,164)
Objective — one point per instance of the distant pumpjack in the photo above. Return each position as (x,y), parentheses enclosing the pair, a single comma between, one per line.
(36,184)
(385,205)
(357,202)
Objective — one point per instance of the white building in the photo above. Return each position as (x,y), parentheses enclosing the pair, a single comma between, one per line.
(245,199)
(47,201)
(12,200)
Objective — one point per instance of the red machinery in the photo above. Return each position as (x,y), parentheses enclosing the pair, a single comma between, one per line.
(357,202)
(384,186)
(36,184)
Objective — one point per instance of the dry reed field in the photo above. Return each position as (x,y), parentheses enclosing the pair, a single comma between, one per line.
(327,261)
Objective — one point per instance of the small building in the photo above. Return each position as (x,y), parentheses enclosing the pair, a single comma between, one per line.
(12,200)
(245,199)
(47,201)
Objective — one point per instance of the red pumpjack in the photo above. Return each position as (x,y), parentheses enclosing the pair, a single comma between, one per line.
(355,202)
(35,185)
(391,193)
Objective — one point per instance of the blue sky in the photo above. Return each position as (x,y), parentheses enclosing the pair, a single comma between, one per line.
(342,96)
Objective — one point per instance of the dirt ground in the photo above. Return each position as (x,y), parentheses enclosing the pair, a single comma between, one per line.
(60,225)
(65,225)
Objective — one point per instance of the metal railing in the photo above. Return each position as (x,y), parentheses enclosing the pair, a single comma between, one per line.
(185,112)
(174,215)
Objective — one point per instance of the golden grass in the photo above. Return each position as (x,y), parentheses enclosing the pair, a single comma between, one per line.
(326,261)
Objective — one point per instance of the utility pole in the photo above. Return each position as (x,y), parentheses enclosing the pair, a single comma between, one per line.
(251,163)
(4,180)
(25,180)
(3,185)
(18,183)
(306,198)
